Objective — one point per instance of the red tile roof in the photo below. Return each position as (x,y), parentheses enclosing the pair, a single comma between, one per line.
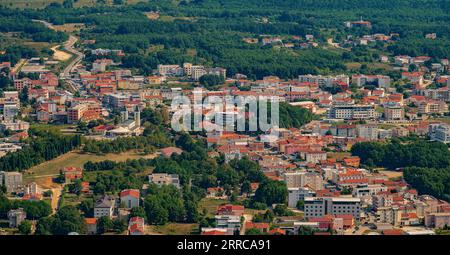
(130,192)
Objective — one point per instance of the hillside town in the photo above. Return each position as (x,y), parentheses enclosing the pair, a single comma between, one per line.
(88,144)
(332,194)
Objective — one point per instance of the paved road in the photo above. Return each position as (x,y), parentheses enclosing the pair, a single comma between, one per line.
(69,46)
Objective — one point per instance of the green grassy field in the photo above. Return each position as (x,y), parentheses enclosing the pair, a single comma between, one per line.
(210,205)
(49,169)
(55,128)
(173,229)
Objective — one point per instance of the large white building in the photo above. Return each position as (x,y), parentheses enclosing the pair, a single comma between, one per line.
(298,194)
(301,179)
(321,206)
(104,207)
(170,70)
(380,81)
(164,179)
(352,111)
(439,132)
(367,131)
(327,81)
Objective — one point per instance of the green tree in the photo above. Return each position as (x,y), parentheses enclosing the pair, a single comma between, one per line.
(211,80)
(138,212)
(271,192)
(156,214)
(25,227)
(104,224)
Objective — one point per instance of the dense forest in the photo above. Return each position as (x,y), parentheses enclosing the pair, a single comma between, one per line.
(433,181)
(426,165)
(397,154)
(43,147)
(210,32)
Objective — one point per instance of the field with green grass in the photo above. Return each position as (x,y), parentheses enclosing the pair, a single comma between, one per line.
(173,229)
(50,169)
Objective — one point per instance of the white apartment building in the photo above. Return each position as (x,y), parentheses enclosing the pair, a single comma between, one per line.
(368,131)
(321,206)
(298,194)
(380,81)
(352,111)
(167,70)
(368,190)
(105,207)
(231,222)
(391,215)
(327,81)
(439,132)
(301,179)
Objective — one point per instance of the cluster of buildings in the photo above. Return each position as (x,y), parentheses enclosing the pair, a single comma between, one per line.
(285,41)
(114,207)
(189,70)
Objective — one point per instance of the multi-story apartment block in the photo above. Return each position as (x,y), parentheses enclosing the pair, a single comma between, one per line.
(11,180)
(327,81)
(298,194)
(432,106)
(170,70)
(85,112)
(105,206)
(352,111)
(367,131)
(388,214)
(376,80)
(231,222)
(394,113)
(15,217)
(321,206)
(437,220)
(301,179)
(439,132)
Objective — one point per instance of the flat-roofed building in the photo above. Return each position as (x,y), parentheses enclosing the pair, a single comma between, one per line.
(321,206)
(437,220)
(164,179)
(11,180)
(352,111)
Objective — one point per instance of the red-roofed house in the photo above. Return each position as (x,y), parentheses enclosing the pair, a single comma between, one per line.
(167,152)
(91,224)
(215,232)
(237,210)
(72,174)
(264,227)
(352,161)
(215,192)
(348,220)
(129,198)
(136,226)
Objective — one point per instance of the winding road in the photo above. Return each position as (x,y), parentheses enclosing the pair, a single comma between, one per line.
(69,46)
